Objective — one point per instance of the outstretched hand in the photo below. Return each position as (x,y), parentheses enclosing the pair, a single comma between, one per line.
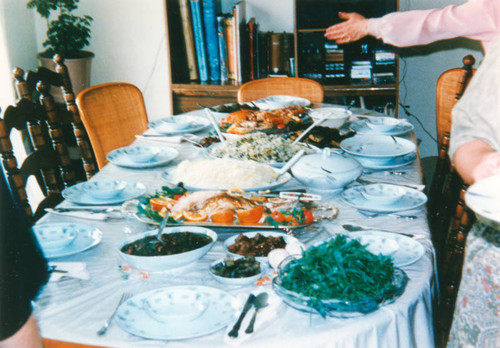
(352,29)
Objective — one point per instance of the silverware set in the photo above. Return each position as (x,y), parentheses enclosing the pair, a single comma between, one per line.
(258,302)
(104,328)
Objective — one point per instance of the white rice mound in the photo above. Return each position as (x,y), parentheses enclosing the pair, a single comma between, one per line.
(223,173)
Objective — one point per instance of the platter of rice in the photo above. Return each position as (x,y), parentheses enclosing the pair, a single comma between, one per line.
(225,173)
(270,149)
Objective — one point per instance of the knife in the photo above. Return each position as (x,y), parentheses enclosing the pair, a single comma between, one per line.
(246,308)
(358,228)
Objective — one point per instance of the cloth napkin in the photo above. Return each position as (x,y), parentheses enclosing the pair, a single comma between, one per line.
(265,315)
(72,270)
(80,214)
(151,134)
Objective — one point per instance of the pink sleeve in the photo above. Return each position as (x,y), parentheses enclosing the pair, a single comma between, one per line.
(476,19)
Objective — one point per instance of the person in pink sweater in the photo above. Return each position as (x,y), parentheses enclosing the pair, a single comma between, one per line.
(475,19)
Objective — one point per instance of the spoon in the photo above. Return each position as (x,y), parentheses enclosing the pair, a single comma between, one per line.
(214,124)
(350,105)
(291,162)
(304,133)
(162,226)
(259,302)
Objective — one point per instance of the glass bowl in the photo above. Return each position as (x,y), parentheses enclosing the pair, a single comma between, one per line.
(335,307)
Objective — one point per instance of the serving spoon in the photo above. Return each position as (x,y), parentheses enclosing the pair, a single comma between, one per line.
(162,226)
(308,129)
(291,162)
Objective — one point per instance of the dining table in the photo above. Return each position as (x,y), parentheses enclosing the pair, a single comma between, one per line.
(73,306)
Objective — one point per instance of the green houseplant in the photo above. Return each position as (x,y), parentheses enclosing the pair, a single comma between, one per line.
(67,35)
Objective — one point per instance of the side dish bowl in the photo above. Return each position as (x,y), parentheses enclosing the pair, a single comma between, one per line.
(236,276)
(104,189)
(166,262)
(335,117)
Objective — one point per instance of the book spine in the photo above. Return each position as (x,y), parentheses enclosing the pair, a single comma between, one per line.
(187,30)
(221,35)
(231,49)
(276,53)
(211,40)
(252,38)
(199,40)
(239,30)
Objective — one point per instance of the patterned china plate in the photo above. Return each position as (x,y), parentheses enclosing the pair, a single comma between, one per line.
(121,158)
(411,199)
(408,252)
(78,194)
(163,125)
(377,146)
(279,101)
(86,237)
(361,127)
(134,318)
(373,163)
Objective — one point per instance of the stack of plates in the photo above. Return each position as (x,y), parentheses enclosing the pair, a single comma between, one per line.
(383,126)
(179,124)
(176,313)
(380,151)
(139,156)
(82,193)
(64,239)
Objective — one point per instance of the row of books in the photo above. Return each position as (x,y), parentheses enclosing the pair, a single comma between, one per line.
(217,47)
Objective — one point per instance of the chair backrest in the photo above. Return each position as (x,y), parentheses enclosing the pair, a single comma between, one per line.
(113,113)
(25,85)
(449,218)
(294,86)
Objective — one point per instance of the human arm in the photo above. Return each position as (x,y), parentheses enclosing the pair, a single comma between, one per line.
(475,19)
(476,160)
(354,27)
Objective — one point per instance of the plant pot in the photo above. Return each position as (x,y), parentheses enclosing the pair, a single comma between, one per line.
(78,69)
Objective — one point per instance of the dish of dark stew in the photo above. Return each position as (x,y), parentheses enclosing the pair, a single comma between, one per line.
(172,243)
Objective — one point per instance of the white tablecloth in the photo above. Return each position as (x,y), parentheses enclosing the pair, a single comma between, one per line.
(74,309)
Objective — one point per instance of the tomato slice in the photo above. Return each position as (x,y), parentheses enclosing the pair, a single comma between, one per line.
(308,216)
(252,215)
(277,216)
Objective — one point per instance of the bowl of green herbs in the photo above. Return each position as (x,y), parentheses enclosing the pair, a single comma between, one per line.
(339,278)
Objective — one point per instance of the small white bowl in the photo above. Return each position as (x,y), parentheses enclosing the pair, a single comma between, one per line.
(166,306)
(104,189)
(174,123)
(235,281)
(382,124)
(375,245)
(335,117)
(141,154)
(54,236)
(384,194)
(166,262)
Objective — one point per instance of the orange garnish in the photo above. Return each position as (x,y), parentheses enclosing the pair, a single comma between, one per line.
(158,203)
(252,215)
(194,217)
(223,217)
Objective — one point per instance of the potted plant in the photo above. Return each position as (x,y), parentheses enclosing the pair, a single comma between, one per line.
(67,34)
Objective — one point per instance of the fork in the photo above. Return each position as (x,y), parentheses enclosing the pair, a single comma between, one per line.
(104,328)
(370,214)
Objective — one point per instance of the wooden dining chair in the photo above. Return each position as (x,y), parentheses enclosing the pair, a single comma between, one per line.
(26,85)
(294,86)
(113,114)
(449,217)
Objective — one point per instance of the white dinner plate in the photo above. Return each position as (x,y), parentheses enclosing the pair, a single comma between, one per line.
(166,175)
(394,162)
(78,194)
(134,318)
(86,237)
(409,250)
(483,198)
(377,146)
(410,200)
(360,127)
(120,157)
(262,259)
(164,125)
(279,101)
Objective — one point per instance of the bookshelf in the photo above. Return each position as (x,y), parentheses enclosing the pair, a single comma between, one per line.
(188,93)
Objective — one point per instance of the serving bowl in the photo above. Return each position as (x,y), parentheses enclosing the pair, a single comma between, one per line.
(382,124)
(165,262)
(384,194)
(335,117)
(240,271)
(53,237)
(105,188)
(141,154)
(336,307)
(327,170)
(167,305)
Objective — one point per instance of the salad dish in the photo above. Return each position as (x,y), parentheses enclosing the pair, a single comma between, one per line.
(339,278)
(139,156)
(229,209)
(143,316)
